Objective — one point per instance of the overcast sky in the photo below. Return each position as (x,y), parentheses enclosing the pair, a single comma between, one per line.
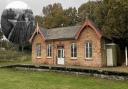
(37,5)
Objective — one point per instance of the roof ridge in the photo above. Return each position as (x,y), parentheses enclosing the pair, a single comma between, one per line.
(64,27)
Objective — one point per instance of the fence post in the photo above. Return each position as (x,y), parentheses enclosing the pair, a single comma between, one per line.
(126,57)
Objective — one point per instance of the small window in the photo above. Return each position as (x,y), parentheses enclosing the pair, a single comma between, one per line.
(49,50)
(73,50)
(38,50)
(88,50)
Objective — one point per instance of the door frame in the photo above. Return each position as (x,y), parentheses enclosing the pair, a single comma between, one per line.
(109,57)
(60,57)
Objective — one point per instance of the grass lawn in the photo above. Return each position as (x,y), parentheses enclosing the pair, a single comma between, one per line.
(17,79)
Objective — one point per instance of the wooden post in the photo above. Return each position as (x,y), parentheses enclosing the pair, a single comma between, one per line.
(22,48)
(126,57)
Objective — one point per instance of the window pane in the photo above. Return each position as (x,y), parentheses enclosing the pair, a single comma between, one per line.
(71,54)
(59,53)
(73,50)
(63,53)
(75,54)
(88,49)
(39,54)
(49,50)
(90,53)
(38,49)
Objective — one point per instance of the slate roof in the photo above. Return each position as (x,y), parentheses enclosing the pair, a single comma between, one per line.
(71,32)
(60,33)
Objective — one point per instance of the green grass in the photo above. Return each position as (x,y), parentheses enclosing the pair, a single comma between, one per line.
(17,79)
(8,57)
(15,62)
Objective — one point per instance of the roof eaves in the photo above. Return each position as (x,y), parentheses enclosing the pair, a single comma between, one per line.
(37,31)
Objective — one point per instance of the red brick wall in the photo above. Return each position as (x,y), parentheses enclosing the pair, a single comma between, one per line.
(96,61)
(87,35)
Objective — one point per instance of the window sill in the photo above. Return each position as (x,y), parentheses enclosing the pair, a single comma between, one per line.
(74,58)
(88,59)
(38,57)
(49,57)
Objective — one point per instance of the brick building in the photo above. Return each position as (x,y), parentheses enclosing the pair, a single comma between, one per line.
(75,45)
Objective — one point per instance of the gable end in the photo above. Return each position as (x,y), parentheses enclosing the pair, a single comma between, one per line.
(90,24)
(37,31)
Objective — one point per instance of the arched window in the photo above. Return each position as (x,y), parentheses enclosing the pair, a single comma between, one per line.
(73,50)
(88,50)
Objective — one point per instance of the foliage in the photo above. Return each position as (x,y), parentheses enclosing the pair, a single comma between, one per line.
(56,16)
(17,25)
(12,56)
(111,16)
(71,15)
(87,10)
(1,34)
(6,44)
(40,20)
(53,15)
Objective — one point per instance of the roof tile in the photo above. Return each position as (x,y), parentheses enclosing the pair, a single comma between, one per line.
(60,33)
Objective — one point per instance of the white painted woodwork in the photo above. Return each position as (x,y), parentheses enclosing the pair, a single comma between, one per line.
(126,56)
(60,57)
(109,57)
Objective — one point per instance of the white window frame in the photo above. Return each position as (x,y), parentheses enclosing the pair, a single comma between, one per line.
(73,52)
(38,50)
(49,51)
(88,50)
